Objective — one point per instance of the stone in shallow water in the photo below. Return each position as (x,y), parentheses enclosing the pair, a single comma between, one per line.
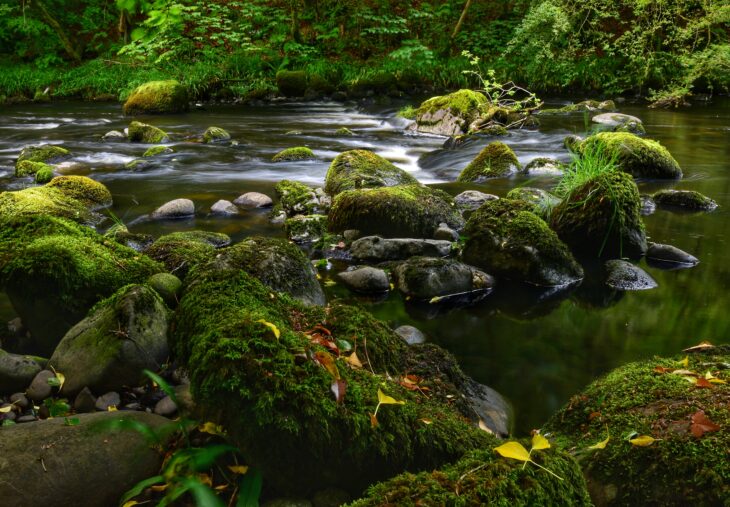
(366,280)
(377,249)
(223,207)
(686,199)
(622,275)
(178,208)
(411,335)
(670,255)
(253,200)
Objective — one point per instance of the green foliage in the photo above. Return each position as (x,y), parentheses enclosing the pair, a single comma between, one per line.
(593,161)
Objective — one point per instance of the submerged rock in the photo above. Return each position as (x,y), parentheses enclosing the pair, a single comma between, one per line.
(109,349)
(622,275)
(506,239)
(377,249)
(157,97)
(294,154)
(424,278)
(153,151)
(617,122)
(670,256)
(686,199)
(494,161)
(648,206)
(356,169)
(45,153)
(175,209)
(251,200)
(642,158)
(406,211)
(366,280)
(142,133)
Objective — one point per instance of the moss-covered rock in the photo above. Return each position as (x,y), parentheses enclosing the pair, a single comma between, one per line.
(215,135)
(274,394)
(280,265)
(484,478)
(168,286)
(47,153)
(617,122)
(506,239)
(296,198)
(494,161)
(92,193)
(684,465)
(180,253)
(157,97)
(29,168)
(291,83)
(423,278)
(582,107)
(642,158)
(152,151)
(305,228)
(690,200)
(142,133)
(344,132)
(294,154)
(544,166)
(57,269)
(44,175)
(450,115)
(356,169)
(541,200)
(602,218)
(404,211)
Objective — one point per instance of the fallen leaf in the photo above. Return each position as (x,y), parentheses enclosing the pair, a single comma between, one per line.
(642,441)
(159,487)
(435,299)
(222,487)
(353,360)
(684,372)
(662,369)
(685,362)
(384,399)
(238,469)
(111,408)
(339,388)
(326,360)
(539,442)
(271,326)
(513,450)
(703,383)
(593,415)
(5,410)
(483,426)
(131,503)
(61,379)
(700,346)
(426,421)
(701,424)
(211,428)
(600,445)
(713,379)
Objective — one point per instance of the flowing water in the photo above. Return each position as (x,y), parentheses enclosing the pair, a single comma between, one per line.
(537,349)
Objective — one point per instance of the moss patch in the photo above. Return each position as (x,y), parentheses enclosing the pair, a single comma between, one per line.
(142,133)
(157,97)
(151,152)
(83,189)
(685,199)
(47,153)
(642,158)
(29,168)
(494,161)
(464,103)
(179,254)
(306,228)
(356,169)
(215,134)
(44,175)
(296,198)
(405,211)
(291,83)
(293,154)
(679,469)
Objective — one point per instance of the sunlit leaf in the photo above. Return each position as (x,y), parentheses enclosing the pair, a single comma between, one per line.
(111,408)
(426,421)
(130,503)
(642,441)
(600,445)
(5,410)
(353,360)
(211,428)
(328,362)
(700,346)
(513,450)
(271,326)
(684,372)
(685,362)
(238,469)
(384,399)
(539,442)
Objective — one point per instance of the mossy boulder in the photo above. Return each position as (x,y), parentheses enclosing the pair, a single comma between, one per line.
(494,161)
(157,97)
(541,200)
(685,465)
(152,151)
(356,169)
(294,154)
(44,175)
(602,217)
(180,252)
(296,198)
(582,107)
(291,83)
(46,153)
(58,269)
(168,286)
(689,200)
(109,349)
(305,228)
(278,264)
(215,135)
(16,372)
(507,240)
(450,115)
(139,132)
(484,478)
(642,158)
(423,278)
(275,398)
(92,193)
(30,168)
(404,211)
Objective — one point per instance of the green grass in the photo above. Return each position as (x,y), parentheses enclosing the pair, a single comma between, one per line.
(591,162)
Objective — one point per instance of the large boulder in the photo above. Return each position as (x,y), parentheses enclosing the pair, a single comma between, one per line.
(494,161)
(602,217)
(450,115)
(16,372)
(109,349)
(506,239)
(669,400)
(93,463)
(33,158)
(689,200)
(291,83)
(182,251)
(356,169)
(157,97)
(642,158)
(54,270)
(405,211)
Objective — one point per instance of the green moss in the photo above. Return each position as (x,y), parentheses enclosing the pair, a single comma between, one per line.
(363,169)
(151,152)
(215,134)
(293,154)
(506,239)
(541,200)
(180,254)
(493,130)
(465,103)
(44,175)
(157,97)
(215,239)
(494,161)
(291,83)
(407,112)
(29,168)
(305,228)
(404,211)
(143,133)
(83,189)
(268,391)
(168,286)
(686,199)
(344,132)
(42,153)
(484,478)
(296,198)
(602,218)
(581,107)
(642,158)
(677,469)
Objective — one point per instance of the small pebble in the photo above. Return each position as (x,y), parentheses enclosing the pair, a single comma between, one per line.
(165,407)
(39,388)
(19,400)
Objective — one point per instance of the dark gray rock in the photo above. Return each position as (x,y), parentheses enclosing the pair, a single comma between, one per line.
(223,207)
(165,407)
(472,199)
(251,200)
(668,254)
(20,420)
(377,249)
(85,402)
(20,400)
(423,278)
(52,464)
(622,275)
(107,400)
(689,200)
(39,388)
(16,372)
(178,208)
(366,280)
(490,407)
(445,233)
(411,335)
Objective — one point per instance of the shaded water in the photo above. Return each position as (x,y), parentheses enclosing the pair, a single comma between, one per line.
(536,349)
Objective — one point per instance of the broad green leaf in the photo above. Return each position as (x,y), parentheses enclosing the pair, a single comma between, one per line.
(384,399)
(539,442)
(250,489)
(642,441)
(271,326)
(204,496)
(513,450)
(166,388)
(138,488)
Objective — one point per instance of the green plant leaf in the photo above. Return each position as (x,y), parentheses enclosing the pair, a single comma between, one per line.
(250,489)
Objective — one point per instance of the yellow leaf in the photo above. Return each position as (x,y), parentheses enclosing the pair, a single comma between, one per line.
(5,410)
(271,326)
(426,421)
(539,442)
(717,381)
(111,408)
(435,299)
(392,286)
(642,441)
(354,361)
(211,428)
(600,445)
(131,503)
(484,427)
(684,372)
(221,487)
(513,450)
(384,399)
(238,469)
(691,380)
(159,487)
(685,362)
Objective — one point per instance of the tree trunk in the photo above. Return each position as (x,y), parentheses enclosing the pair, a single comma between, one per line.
(461,19)
(62,36)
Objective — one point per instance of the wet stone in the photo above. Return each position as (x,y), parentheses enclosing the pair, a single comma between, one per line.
(107,400)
